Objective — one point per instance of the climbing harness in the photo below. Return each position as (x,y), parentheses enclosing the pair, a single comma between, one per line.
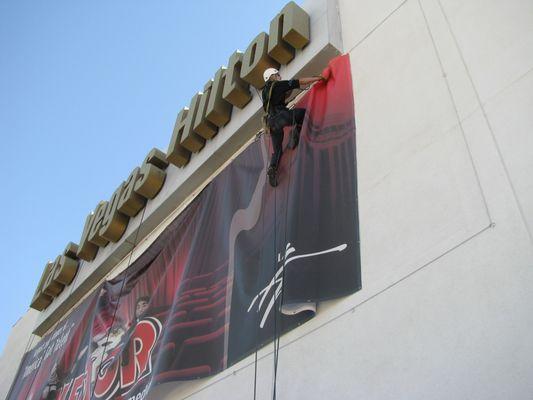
(264,119)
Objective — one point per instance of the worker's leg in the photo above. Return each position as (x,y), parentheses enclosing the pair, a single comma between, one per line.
(276,134)
(298,114)
(297,117)
(277,142)
(277,123)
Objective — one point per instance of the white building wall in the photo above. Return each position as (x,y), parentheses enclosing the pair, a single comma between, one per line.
(19,341)
(444,101)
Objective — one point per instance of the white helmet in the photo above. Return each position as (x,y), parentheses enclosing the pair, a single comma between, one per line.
(269,72)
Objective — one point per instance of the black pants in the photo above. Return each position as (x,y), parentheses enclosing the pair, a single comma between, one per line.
(279,121)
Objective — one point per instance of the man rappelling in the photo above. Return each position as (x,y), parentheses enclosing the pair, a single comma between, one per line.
(278,116)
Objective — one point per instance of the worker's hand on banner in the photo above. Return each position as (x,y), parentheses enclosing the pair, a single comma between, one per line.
(326,73)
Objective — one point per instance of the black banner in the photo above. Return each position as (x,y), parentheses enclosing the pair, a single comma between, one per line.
(243,263)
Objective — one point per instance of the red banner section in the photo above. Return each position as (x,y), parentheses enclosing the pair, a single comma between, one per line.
(242,264)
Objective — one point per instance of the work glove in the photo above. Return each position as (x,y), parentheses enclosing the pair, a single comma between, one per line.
(326,74)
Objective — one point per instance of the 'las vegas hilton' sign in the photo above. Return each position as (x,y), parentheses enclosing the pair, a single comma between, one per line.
(208,111)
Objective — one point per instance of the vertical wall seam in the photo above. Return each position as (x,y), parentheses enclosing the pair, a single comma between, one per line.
(491,130)
(377,26)
(460,123)
(338,25)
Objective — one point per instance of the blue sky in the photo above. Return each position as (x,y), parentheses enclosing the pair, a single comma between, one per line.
(86,90)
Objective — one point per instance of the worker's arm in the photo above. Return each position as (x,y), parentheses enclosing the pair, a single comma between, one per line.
(304,82)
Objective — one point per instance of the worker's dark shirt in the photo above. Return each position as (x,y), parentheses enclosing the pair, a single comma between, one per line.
(279,94)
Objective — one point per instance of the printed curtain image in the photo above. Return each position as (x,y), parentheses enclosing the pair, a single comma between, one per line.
(243,263)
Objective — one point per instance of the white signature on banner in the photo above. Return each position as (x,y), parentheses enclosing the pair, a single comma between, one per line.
(275,285)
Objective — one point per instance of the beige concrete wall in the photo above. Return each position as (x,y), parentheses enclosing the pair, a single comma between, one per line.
(444,93)
(19,341)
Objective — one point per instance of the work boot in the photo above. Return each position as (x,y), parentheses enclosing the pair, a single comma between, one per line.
(294,137)
(272,176)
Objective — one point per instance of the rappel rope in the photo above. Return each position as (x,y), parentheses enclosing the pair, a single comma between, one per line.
(118,303)
(257,326)
(274,271)
(26,349)
(278,314)
(30,339)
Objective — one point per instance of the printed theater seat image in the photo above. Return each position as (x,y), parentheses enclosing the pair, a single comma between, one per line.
(192,345)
